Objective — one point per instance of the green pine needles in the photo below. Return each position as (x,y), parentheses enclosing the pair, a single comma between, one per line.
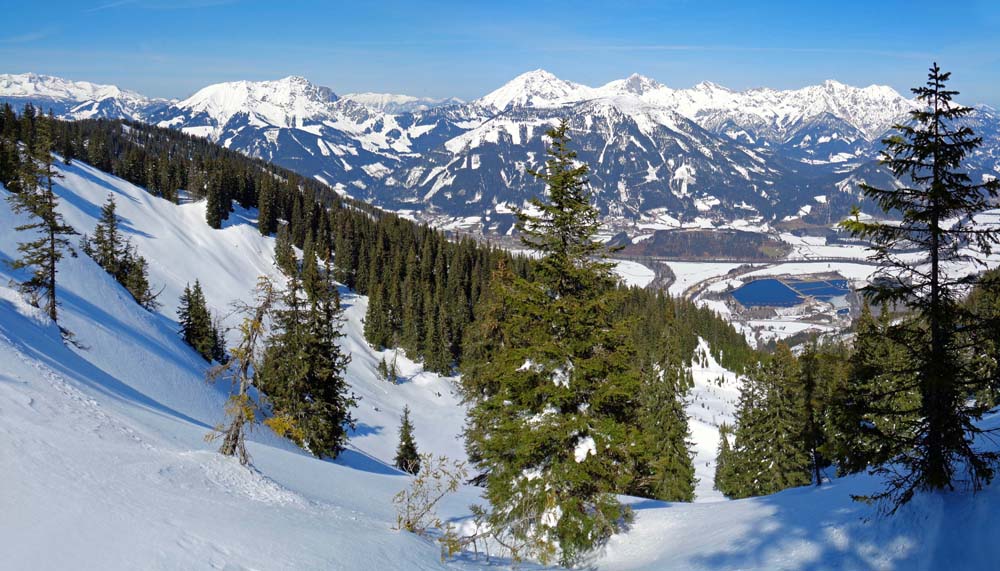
(35,196)
(303,366)
(116,254)
(928,446)
(551,376)
(407,457)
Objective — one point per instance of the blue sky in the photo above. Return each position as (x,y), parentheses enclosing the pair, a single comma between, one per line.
(466,48)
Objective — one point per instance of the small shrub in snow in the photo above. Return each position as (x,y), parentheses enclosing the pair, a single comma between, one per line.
(416,506)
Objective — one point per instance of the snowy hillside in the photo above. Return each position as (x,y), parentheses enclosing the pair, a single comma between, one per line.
(104,464)
(711,402)
(103,445)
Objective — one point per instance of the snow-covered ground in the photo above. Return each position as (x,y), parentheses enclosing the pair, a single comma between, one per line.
(103,461)
(634,273)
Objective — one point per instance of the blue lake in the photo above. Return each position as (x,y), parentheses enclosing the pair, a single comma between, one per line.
(775,292)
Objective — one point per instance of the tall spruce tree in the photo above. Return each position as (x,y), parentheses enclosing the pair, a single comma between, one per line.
(378,328)
(284,254)
(984,302)
(770,452)
(107,246)
(666,470)
(267,212)
(303,369)
(725,477)
(824,372)
(936,203)
(218,204)
(553,420)
(407,457)
(37,198)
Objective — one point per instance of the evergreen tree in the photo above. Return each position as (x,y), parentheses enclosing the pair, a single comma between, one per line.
(770,452)
(118,257)
(407,457)
(984,303)
(136,280)
(666,470)
(928,157)
(553,420)
(879,399)
(378,330)
(383,370)
(303,369)
(108,245)
(411,337)
(10,160)
(36,197)
(217,205)
(197,326)
(725,477)
(267,219)
(284,254)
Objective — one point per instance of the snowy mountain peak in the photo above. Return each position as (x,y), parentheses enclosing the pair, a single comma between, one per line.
(634,84)
(397,103)
(709,87)
(32,85)
(538,88)
(284,102)
(872,110)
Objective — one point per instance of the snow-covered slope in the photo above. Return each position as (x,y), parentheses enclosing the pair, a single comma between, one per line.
(103,448)
(104,465)
(227,264)
(711,402)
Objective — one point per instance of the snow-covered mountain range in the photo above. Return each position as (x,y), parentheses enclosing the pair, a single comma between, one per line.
(77,99)
(660,157)
(396,103)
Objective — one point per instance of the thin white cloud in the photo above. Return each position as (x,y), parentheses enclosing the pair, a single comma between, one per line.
(187,4)
(29,37)
(110,5)
(160,5)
